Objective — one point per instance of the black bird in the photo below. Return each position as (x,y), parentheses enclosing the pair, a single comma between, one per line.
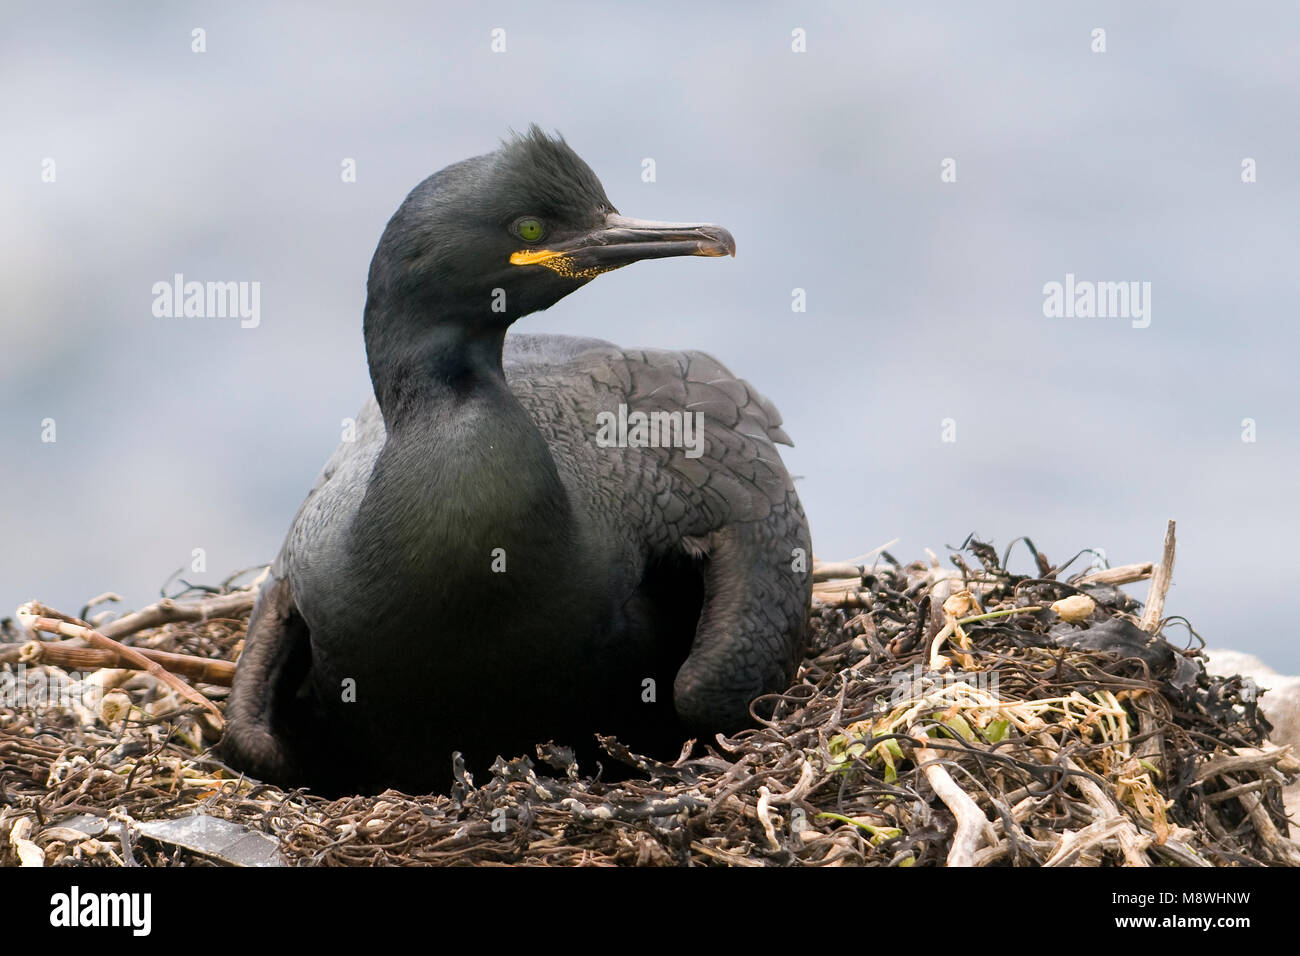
(509,552)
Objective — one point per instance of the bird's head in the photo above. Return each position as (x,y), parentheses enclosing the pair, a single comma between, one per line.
(493,238)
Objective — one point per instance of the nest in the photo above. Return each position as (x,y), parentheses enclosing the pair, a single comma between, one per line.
(965,715)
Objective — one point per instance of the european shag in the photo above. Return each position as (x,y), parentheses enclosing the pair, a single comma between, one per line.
(510,551)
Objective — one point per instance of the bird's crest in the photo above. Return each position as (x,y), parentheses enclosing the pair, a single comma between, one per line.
(547,168)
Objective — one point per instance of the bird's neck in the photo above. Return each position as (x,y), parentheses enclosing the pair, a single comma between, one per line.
(464,470)
(421,358)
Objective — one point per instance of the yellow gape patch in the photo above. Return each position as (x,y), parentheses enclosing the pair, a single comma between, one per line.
(557,262)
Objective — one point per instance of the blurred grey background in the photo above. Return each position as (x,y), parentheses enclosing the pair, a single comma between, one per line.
(924,298)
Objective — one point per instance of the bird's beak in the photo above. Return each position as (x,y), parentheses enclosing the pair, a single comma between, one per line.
(621,241)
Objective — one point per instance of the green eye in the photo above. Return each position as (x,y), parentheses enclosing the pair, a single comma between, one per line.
(530,229)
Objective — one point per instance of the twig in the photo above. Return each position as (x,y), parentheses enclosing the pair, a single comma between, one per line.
(973,828)
(1285,851)
(1250,759)
(1175,850)
(53,626)
(1074,842)
(64,654)
(1124,574)
(764,812)
(1251,787)
(839,569)
(1152,748)
(1013,819)
(842,592)
(1153,613)
(1131,841)
(99,599)
(731,859)
(168,611)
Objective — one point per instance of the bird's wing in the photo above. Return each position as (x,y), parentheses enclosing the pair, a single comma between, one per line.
(731,472)
(733,505)
(335,495)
